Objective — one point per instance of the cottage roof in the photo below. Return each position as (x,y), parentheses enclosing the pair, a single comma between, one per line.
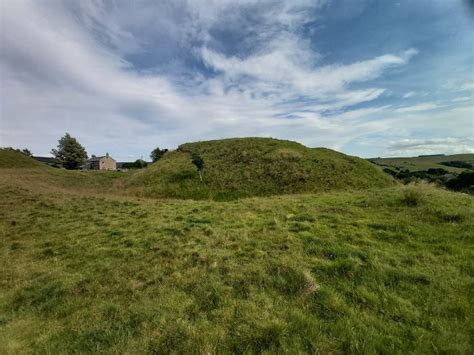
(96,158)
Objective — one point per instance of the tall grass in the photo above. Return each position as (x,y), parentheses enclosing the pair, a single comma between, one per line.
(413,195)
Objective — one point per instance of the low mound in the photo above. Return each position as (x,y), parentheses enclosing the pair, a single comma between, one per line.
(10,159)
(244,167)
(20,171)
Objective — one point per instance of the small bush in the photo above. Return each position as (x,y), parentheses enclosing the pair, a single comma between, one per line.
(412,196)
(464,182)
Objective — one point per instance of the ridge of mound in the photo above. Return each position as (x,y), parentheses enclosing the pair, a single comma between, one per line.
(10,159)
(244,167)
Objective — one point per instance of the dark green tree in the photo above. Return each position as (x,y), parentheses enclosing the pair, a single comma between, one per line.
(157,154)
(198,161)
(70,153)
(24,151)
(27,152)
(463,182)
(137,164)
(140,164)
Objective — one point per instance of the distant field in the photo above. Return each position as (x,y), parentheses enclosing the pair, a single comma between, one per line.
(86,269)
(425,163)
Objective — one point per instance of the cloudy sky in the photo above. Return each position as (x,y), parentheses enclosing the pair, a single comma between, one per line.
(366,77)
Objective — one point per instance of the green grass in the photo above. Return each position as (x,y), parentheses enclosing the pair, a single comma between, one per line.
(425,163)
(10,159)
(246,167)
(385,270)
(234,168)
(89,267)
(23,171)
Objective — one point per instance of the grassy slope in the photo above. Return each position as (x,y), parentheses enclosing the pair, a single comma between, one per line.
(424,163)
(14,160)
(24,171)
(255,167)
(358,272)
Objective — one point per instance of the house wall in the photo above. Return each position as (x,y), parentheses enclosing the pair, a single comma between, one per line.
(93,165)
(107,163)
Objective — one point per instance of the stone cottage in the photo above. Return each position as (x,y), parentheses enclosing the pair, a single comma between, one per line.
(101,163)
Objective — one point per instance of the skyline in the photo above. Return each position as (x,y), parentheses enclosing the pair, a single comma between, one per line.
(366,78)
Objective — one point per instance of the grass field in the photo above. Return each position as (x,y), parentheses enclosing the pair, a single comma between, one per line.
(426,162)
(86,269)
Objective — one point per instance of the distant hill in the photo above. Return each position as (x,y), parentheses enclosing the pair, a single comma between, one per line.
(454,163)
(243,167)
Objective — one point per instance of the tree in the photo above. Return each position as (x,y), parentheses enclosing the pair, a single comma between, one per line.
(463,182)
(198,161)
(24,151)
(137,164)
(70,153)
(27,152)
(157,154)
(140,164)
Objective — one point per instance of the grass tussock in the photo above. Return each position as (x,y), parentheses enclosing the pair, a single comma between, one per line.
(413,195)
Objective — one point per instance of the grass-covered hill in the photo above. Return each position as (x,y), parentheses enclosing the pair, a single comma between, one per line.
(10,159)
(20,170)
(245,167)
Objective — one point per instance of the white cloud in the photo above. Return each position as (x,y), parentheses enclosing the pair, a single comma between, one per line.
(65,68)
(394,127)
(409,94)
(462,99)
(448,145)
(287,65)
(419,107)
(467,86)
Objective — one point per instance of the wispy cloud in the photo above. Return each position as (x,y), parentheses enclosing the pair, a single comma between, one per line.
(448,145)
(290,67)
(409,94)
(125,77)
(463,99)
(419,107)
(468,86)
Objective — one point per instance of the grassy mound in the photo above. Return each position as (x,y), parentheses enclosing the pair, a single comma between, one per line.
(245,167)
(9,159)
(18,170)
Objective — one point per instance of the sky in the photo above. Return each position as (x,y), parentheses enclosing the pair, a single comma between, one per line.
(366,77)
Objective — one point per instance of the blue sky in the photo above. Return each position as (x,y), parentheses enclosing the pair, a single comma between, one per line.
(365,77)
